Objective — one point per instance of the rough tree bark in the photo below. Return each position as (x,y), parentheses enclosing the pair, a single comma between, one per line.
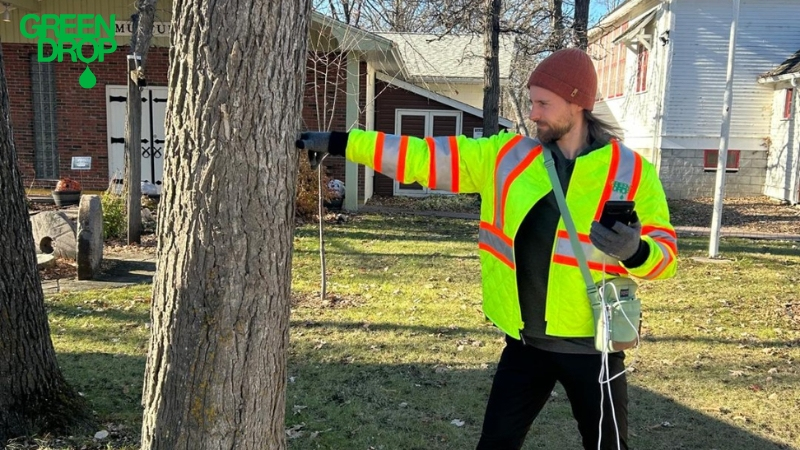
(140,44)
(557,25)
(34,397)
(580,24)
(216,367)
(491,72)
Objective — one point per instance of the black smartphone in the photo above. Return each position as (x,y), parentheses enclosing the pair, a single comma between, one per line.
(617,211)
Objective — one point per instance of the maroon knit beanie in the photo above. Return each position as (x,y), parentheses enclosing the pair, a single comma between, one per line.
(570,74)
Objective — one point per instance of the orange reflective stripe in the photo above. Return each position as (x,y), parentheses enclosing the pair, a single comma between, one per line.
(624,176)
(637,176)
(564,234)
(662,266)
(499,185)
(594,257)
(666,236)
(495,242)
(496,231)
(612,174)
(517,171)
(593,265)
(513,159)
(502,258)
(432,169)
(401,159)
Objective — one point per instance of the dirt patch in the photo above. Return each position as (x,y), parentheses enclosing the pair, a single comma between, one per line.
(63,268)
(757,214)
(146,246)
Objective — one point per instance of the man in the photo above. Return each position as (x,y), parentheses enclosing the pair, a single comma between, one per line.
(532,285)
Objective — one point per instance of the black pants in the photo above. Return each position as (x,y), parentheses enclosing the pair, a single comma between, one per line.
(522,385)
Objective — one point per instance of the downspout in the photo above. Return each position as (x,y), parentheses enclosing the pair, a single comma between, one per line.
(662,91)
(794,197)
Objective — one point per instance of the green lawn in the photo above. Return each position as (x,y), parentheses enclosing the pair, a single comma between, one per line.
(399,356)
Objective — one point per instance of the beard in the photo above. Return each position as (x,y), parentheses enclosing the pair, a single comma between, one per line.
(554,132)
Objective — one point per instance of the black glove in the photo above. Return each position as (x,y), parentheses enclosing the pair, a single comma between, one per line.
(623,242)
(320,142)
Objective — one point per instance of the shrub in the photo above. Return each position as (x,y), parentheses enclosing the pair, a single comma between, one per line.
(307,201)
(114,215)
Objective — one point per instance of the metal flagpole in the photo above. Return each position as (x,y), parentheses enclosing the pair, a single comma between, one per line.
(722,161)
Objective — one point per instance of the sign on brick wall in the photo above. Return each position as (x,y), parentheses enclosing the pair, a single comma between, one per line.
(125,28)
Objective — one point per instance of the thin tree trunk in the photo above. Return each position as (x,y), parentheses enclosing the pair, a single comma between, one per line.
(522,128)
(557,22)
(34,397)
(216,367)
(580,23)
(491,73)
(140,45)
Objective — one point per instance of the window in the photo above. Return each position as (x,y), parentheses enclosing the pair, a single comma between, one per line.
(609,62)
(44,114)
(711,158)
(641,68)
(787,103)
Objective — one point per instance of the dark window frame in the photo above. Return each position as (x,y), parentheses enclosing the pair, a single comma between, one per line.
(45,135)
(710,160)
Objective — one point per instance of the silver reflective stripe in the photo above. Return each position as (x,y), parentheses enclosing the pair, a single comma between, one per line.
(492,240)
(443,163)
(664,236)
(390,155)
(505,166)
(626,167)
(593,255)
(664,260)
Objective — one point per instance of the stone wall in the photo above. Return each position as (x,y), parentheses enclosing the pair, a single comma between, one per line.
(683,176)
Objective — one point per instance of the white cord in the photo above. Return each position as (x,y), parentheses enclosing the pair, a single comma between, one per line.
(605,370)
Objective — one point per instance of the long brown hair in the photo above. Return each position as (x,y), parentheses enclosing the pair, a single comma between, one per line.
(599,129)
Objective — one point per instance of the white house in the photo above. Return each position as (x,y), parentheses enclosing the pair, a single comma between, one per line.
(783,159)
(662,68)
(450,65)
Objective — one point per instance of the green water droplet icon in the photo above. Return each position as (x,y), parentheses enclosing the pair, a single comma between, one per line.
(88,80)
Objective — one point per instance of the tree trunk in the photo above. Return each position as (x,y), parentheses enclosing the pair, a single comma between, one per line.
(580,23)
(491,73)
(140,44)
(216,367)
(522,128)
(557,23)
(34,397)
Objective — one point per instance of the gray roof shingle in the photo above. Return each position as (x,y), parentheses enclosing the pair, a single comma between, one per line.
(430,56)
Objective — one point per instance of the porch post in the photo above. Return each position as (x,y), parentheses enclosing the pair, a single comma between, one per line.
(351,119)
(369,126)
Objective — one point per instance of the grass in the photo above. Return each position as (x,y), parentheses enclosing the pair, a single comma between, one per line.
(399,355)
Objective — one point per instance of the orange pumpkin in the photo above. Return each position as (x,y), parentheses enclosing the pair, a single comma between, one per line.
(68,184)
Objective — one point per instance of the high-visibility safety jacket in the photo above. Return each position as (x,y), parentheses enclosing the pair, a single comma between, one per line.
(508,171)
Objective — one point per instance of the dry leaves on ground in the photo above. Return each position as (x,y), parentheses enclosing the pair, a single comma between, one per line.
(757,214)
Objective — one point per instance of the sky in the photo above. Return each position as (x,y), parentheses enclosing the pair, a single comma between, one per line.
(597,9)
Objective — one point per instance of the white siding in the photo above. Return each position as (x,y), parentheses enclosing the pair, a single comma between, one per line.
(767,35)
(471,94)
(784,152)
(636,113)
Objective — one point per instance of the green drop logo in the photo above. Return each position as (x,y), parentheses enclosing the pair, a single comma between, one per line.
(88,80)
